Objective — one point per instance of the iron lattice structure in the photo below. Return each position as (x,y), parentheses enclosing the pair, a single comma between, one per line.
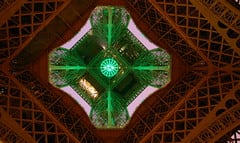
(200,104)
(100,68)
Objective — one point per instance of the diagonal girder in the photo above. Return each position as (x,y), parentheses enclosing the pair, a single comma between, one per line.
(220,126)
(160,32)
(9,10)
(207,124)
(198,28)
(197,107)
(234,119)
(37,102)
(45,22)
(8,135)
(164,102)
(179,31)
(171,112)
(60,107)
(52,36)
(210,11)
(7,120)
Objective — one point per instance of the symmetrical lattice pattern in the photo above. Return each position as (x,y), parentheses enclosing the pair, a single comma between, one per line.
(109,67)
(184,14)
(29,116)
(15,33)
(8,135)
(4,4)
(57,107)
(165,31)
(201,106)
(226,21)
(196,108)
(108,75)
(223,122)
(229,16)
(161,108)
(199,30)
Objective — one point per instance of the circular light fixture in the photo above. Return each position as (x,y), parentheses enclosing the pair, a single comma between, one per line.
(109,67)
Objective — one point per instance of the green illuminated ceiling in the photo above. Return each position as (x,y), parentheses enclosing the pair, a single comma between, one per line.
(109,67)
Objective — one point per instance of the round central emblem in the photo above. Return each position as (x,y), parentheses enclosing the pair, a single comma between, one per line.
(109,67)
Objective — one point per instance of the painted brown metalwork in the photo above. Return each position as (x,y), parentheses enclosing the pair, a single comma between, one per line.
(204,35)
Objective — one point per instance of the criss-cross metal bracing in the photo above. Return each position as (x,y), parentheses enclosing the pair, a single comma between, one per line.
(201,100)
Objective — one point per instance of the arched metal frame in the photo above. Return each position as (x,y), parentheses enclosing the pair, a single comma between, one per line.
(184,24)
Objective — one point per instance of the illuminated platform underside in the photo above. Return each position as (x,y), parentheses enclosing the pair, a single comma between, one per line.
(109,67)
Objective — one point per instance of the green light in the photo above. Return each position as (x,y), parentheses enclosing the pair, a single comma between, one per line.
(113,70)
(109,67)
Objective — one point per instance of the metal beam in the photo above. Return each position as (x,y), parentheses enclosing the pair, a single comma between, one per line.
(14,126)
(75,27)
(173,110)
(235,124)
(179,31)
(8,135)
(110,26)
(41,106)
(222,124)
(10,10)
(214,19)
(52,67)
(205,123)
(41,27)
(152,68)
